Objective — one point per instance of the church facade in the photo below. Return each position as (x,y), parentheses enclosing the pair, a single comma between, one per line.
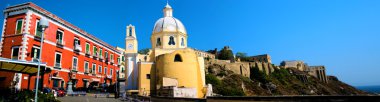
(170,68)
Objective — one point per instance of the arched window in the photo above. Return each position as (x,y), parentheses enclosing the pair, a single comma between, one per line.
(182,42)
(177,58)
(158,42)
(171,40)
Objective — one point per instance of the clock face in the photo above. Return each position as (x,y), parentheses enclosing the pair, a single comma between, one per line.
(130,46)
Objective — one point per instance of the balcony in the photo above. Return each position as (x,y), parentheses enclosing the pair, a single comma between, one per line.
(77,48)
(57,65)
(95,55)
(88,53)
(35,59)
(74,69)
(60,43)
(86,71)
(100,57)
(109,76)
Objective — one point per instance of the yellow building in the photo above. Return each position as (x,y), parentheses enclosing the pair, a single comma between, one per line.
(170,68)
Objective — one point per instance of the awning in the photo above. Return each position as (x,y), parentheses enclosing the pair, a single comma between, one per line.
(20,66)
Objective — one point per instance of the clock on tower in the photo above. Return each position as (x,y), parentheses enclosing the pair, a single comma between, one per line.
(131,40)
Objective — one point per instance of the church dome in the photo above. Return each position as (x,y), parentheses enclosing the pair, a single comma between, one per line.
(168,23)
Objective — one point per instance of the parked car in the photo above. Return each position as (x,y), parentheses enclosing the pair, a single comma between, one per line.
(60,92)
(46,90)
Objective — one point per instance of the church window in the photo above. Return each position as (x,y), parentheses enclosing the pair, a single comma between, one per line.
(158,42)
(177,58)
(182,42)
(171,40)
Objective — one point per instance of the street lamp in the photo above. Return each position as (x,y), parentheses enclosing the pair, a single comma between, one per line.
(44,23)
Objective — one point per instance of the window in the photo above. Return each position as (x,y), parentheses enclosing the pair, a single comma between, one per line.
(75,64)
(93,69)
(95,50)
(130,31)
(111,57)
(182,42)
(18,26)
(87,48)
(58,58)
(111,72)
(99,68)
(105,70)
(100,52)
(38,31)
(15,52)
(171,40)
(177,58)
(35,53)
(118,60)
(76,42)
(147,76)
(86,67)
(106,55)
(158,42)
(122,69)
(122,58)
(59,37)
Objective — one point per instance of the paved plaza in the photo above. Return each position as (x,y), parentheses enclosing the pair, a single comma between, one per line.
(88,98)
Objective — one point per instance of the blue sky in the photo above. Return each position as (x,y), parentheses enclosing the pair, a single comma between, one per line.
(343,35)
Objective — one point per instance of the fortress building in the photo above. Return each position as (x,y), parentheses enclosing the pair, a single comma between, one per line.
(170,68)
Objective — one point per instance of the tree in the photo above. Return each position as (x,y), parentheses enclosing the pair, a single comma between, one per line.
(226,54)
(241,54)
(143,51)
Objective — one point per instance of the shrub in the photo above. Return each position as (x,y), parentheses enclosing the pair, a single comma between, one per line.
(256,74)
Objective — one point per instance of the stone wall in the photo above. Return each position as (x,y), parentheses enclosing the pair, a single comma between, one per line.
(243,68)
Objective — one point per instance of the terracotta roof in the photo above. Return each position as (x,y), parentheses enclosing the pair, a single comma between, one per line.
(60,20)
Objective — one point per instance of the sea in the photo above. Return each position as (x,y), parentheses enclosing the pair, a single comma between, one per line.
(372,89)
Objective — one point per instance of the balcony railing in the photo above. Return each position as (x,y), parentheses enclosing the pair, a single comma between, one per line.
(77,47)
(75,68)
(95,54)
(35,59)
(60,42)
(57,65)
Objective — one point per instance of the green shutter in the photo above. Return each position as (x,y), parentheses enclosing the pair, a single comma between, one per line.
(19,26)
(87,48)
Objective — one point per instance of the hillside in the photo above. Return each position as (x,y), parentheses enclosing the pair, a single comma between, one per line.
(280,82)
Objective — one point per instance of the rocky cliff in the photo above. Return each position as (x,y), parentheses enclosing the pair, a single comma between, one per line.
(242,80)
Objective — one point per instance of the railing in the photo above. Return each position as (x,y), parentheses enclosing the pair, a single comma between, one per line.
(57,65)
(95,54)
(74,68)
(35,59)
(77,47)
(60,42)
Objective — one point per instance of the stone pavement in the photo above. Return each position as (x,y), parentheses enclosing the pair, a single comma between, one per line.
(88,98)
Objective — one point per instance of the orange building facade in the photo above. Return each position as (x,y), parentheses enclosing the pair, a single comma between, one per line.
(71,54)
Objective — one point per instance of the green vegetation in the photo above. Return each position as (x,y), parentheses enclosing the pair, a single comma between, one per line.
(256,74)
(144,51)
(230,86)
(243,56)
(25,96)
(225,54)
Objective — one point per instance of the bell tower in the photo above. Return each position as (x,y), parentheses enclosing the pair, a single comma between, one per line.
(131,40)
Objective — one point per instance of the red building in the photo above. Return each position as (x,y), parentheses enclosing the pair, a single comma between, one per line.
(70,53)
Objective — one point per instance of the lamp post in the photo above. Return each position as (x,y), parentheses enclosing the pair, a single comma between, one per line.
(44,23)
